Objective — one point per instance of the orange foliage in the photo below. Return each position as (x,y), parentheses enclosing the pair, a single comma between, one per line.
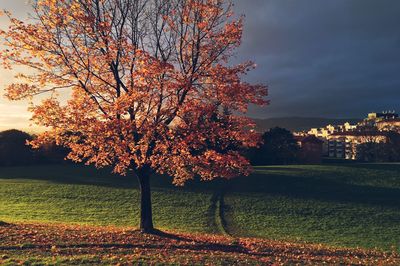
(150,84)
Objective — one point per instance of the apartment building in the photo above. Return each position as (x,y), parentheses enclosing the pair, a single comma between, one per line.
(341,141)
(343,145)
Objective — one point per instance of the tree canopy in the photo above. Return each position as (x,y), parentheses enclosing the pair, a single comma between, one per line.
(146,79)
(14,149)
(279,147)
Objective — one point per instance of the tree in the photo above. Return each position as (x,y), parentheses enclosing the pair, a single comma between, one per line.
(372,152)
(13,148)
(279,147)
(375,150)
(145,79)
(50,153)
(393,146)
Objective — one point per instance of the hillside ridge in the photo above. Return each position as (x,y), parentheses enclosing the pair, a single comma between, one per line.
(300,123)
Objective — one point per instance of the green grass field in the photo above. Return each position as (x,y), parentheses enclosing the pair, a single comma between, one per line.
(77,194)
(348,205)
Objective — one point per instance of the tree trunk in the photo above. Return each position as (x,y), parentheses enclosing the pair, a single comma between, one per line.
(146,216)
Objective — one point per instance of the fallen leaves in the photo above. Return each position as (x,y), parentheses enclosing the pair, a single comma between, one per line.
(3,223)
(110,245)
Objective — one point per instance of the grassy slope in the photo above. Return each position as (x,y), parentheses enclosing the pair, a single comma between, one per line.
(87,196)
(348,205)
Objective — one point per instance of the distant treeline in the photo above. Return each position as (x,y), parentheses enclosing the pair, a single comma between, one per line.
(278,146)
(14,150)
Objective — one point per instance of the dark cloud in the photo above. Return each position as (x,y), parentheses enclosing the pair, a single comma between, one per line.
(324,58)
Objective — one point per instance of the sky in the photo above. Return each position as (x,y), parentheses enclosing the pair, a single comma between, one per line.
(320,58)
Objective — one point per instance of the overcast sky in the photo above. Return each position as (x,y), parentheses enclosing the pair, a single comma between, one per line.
(335,58)
(320,58)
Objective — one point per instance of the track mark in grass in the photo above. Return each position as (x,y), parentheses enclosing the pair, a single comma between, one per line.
(218,208)
(220,214)
(213,219)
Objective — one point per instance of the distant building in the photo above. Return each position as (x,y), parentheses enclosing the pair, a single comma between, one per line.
(339,148)
(343,145)
(386,115)
(373,119)
(341,141)
(310,149)
(324,134)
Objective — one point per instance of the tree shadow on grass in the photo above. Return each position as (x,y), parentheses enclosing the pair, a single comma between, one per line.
(292,181)
(210,247)
(67,174)
(156,240)
(313,187)
(3,224)
(88,175)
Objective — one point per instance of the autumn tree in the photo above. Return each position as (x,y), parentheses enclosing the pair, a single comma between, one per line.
(149,84)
